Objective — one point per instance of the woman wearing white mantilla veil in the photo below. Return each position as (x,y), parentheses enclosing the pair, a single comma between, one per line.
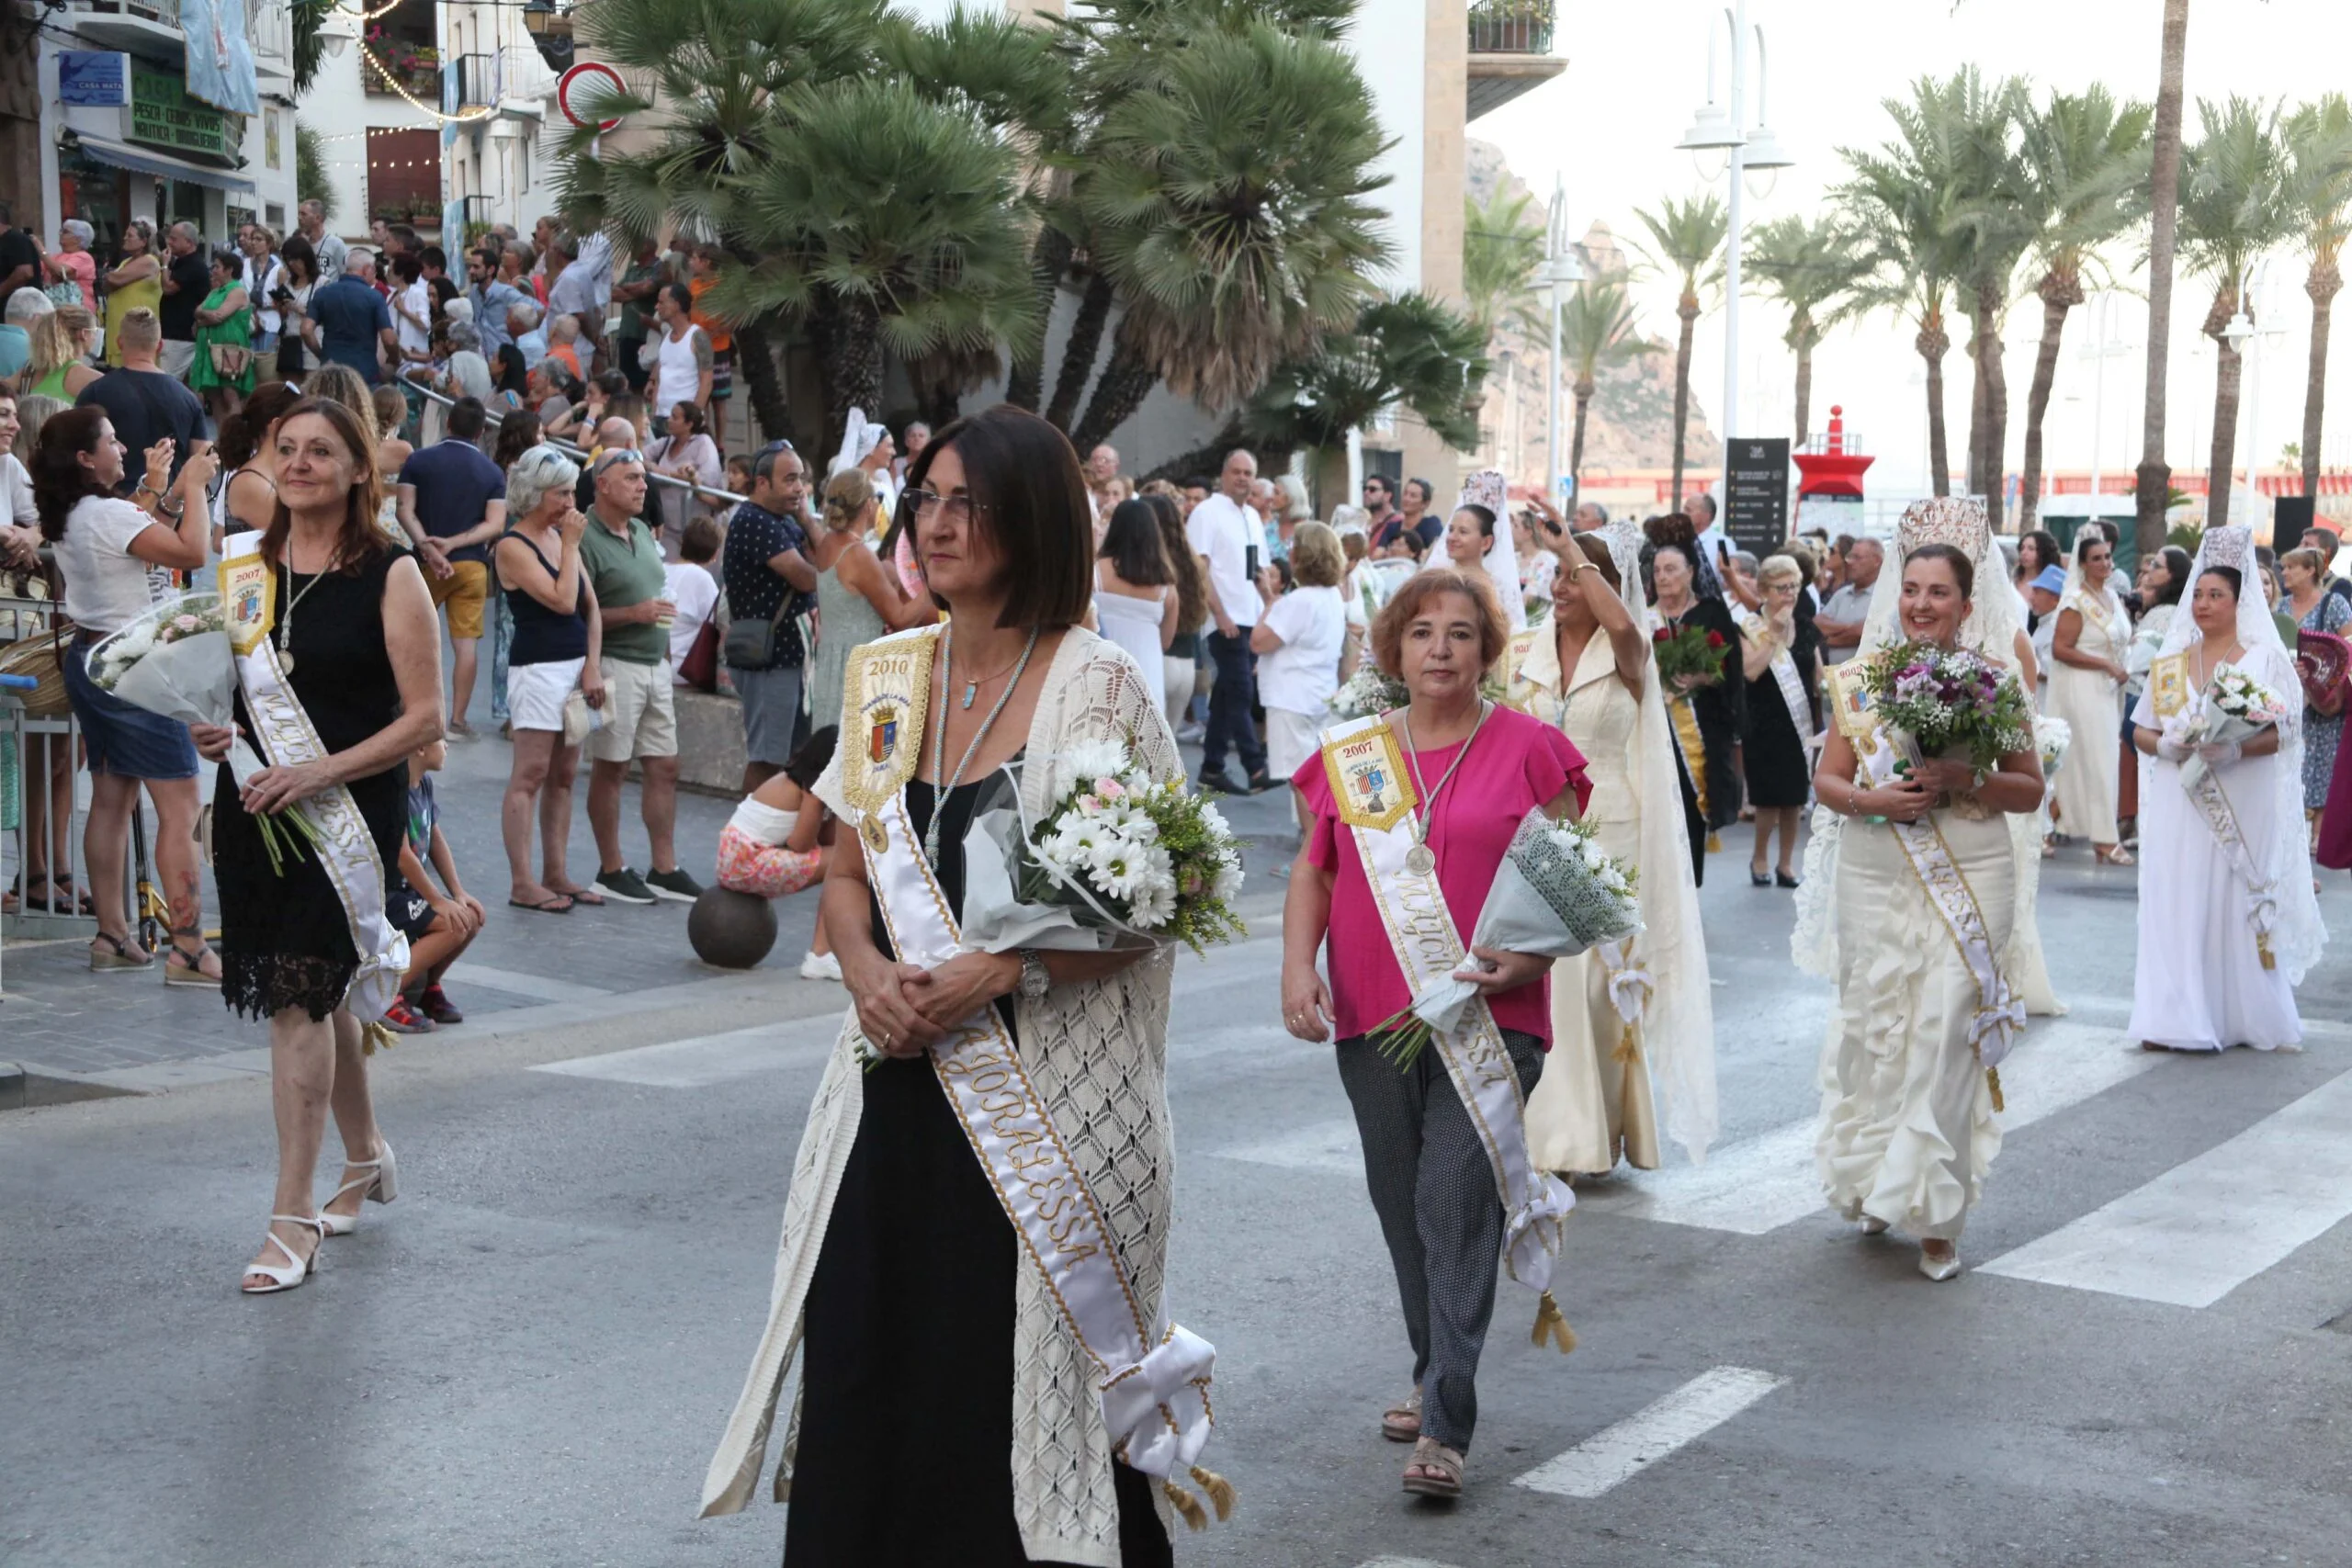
(1629,1017)
(2087,676)
(2228,920)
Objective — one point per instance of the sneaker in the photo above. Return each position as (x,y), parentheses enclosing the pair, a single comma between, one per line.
(674,885)
(435,1004)
(1217,783)
(820,966)
(1192,734)
(401,1018)
(625,885)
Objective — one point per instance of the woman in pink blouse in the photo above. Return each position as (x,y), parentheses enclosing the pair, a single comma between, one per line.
(1478,768)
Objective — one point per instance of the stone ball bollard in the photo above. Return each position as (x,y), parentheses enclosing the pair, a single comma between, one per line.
(731,930)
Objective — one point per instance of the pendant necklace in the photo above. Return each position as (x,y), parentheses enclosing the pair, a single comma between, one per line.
(1421,860)
(285,637)
(939,737)
(972,685)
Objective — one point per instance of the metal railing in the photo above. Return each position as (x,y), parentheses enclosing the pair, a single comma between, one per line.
(578,454)
(477,81)
(1512,29)
(164,11)
(27,747)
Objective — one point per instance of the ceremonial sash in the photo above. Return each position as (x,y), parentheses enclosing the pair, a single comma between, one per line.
(1784,674)
(1690,746)
(2091,607)
(1152,1377)
(2169,687)
(284,734)
(2000,1012)
(1374,792)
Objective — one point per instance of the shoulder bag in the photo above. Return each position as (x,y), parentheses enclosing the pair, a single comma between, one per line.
(750,644)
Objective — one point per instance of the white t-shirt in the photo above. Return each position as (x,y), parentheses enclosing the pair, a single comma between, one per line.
(1301,675)
(105,585)
(17,493)
(417,299)
(1222,531)
(695,593)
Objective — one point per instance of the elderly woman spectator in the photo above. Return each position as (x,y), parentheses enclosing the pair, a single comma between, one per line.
(1779,652)
(556,638)
(73,263)
(223,371)
(24,310)
(1482,769)
(104,547)
(135,282)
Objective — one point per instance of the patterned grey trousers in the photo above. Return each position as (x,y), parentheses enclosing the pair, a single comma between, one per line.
(1433,1188)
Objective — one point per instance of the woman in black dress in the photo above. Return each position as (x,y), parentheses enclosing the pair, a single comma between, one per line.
(1777,753)
(357,636)
(1716,710)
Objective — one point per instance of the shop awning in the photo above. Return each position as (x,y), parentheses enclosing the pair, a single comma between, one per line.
(163,165)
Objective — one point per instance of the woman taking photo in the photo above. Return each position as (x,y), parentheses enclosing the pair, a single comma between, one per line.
(222,372)
(892,1211)
(1475,771)
(1906,1131)
(857,599)
(1707,715)
(2086,678)
(2229,923)
(297,280)
(558,635)
(135,283)
(1134,604)
(104,547)
(1179,662)
(357,665)
(1778,648)
(1594,680)
(2304,573)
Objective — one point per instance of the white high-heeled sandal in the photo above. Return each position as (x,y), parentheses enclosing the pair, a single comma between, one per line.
(294,1270)
(381,1185)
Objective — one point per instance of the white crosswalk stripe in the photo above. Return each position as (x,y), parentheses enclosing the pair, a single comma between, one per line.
(1632,1445)
(703,1060)
(2208,1225)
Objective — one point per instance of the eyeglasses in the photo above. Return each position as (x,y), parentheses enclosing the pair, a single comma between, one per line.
(960,508)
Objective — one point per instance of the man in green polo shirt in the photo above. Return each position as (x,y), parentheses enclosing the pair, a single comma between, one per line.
(624,565)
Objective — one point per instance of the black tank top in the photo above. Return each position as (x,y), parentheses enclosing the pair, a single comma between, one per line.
(542,635)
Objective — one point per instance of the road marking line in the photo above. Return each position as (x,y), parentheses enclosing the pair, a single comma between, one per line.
(694,1063)
(515,983)
(1329,1147)
(1756,1186)
(1690,1413)
(1401,1563)
(2208,1225)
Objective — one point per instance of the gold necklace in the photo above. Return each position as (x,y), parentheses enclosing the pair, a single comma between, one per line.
(285,640)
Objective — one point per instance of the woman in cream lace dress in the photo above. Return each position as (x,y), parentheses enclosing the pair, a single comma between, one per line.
(2086,677)
(1635,1017)
(1906,1129)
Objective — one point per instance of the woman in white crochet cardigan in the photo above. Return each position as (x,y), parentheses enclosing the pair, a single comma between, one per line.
(945,1411)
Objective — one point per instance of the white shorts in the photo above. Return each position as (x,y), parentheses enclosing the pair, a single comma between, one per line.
(640,713)
(535,692)
(1291,739)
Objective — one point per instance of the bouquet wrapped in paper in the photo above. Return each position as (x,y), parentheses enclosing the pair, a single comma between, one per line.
(2232,708)
(177,661)
(1119,860)
(1557,894)
(2051,736)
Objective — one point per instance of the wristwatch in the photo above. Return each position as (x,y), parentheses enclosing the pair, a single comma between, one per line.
(1035,980)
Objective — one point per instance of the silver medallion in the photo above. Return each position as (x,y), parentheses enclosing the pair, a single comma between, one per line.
(1421,860)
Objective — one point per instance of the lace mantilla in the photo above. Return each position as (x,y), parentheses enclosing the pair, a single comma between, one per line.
(1099,1053)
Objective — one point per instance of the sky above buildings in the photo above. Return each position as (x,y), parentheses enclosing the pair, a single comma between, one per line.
(1636,75)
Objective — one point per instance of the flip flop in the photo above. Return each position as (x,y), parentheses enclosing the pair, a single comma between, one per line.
(582,896)
(560,904)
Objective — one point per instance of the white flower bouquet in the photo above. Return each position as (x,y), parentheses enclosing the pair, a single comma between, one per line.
(1367,692)
(177,661)
(1556,893)
(2232,708)
(1119,859)
(2051,736)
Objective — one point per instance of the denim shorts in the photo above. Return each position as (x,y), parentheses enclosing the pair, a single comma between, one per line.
(127,742)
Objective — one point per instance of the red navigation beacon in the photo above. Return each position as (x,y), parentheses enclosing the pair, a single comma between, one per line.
(1830,465)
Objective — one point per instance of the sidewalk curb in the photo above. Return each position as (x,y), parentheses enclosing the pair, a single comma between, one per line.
(24,1088)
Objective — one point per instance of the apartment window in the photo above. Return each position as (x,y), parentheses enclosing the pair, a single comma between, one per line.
(404,176)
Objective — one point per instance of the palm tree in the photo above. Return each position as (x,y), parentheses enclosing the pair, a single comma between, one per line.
(1816,269)
(2232,209)
(2319,175)
(1502,244)
(1227,205)
(2155,488)
(1687,240)
(2080,166)
(1596,334)
(1409,352)
(1905,196)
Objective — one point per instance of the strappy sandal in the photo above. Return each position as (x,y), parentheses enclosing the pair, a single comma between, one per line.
(381,1185)
(294,1270)
(189,969)
(2116,854)
(1401,1423)
(120,957)
(1435,1470)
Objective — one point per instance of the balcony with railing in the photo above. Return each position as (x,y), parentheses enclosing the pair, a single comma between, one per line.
(1510,52)
(477,84)
(143,27)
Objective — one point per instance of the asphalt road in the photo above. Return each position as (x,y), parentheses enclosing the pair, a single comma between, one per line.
(527,1359)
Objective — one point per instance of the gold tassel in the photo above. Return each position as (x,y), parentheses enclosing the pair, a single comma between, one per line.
(374,1035)
(2262,946)
(1714,843)
(1183,1502)
(1220,1491)
(1552,1324)
(1992,1082)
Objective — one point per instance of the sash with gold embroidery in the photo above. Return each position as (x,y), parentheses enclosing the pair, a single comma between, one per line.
(2172,692)
(1375,793)
(1784,675)
(1152,1375)
(287,739)
(2000,1012)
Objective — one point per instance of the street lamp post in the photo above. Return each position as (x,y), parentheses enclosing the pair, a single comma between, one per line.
(1560,269)
(2245,337)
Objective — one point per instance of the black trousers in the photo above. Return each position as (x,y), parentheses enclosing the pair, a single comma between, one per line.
(1229,702)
